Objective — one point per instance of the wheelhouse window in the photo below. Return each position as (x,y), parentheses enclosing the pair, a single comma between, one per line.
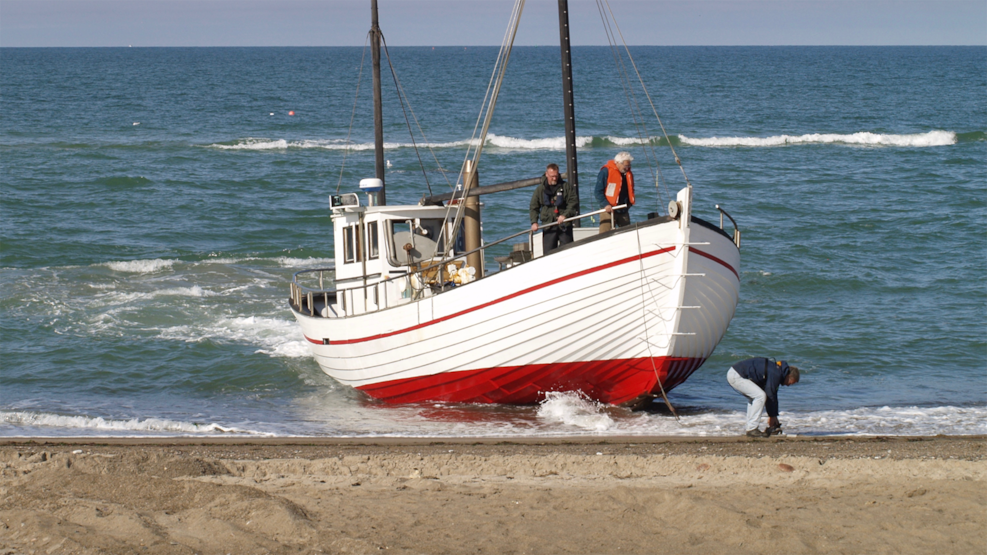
(373,245)
(349,244)
(412,241)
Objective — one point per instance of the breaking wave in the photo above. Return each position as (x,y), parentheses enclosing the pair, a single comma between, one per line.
(493,140)
(932,138)
(863,138)
(99,424)
(576,410)
(274,337)
(140,266)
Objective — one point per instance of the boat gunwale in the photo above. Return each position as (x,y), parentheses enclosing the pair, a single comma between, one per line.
(614,232)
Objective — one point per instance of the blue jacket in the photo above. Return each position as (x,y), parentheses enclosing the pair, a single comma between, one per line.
(768,375)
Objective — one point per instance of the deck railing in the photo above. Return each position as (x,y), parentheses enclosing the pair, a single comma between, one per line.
(374,296)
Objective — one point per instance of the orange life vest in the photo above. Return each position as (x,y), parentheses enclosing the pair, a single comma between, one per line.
(614,183)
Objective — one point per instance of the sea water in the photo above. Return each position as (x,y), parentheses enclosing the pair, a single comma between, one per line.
(156,201)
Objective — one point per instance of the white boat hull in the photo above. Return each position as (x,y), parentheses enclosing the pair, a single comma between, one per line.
(618,317)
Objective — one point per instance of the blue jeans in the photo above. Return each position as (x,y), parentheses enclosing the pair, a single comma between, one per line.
(755,397)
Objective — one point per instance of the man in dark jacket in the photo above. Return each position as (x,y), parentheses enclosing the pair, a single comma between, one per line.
(758,380)
(553,201)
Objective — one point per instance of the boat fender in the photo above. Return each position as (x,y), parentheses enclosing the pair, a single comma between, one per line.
(466,274)
(674,209)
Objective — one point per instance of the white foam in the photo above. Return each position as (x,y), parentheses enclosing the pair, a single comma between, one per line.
(550,143)
(140,266)
(575,409)
(282,261)
(116,298)
(101,286)
(48,420)
(224,261)
(932,138)
(494,140)
(288,262)
(289,349)
(194,291)
(254,144)
(331,144)
(273,336)
(861,421)
(629,141)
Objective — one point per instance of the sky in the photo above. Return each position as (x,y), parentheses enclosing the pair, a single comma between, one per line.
(483,22)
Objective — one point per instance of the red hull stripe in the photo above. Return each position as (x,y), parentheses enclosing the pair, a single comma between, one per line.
(500,300)
(715,259)
(607,381)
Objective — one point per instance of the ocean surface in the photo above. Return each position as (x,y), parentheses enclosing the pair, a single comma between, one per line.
(156,201)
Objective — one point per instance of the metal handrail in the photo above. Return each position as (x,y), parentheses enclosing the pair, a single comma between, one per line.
(299,289)
(736,229)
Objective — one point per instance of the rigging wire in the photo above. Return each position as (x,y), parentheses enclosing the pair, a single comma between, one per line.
(479,117)
(359,80)
(415,117)
(401,99)
(490,84)
(662,125)
(493,90)
(636,115)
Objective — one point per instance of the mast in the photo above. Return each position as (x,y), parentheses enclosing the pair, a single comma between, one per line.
(378,107)
(567,98)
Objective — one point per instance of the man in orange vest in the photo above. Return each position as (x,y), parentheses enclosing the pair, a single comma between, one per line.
(614,187)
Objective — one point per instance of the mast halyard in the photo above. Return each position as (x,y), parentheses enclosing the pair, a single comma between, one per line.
(568,101)
(378,107)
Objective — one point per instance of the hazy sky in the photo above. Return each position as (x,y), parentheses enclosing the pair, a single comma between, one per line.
(482,22)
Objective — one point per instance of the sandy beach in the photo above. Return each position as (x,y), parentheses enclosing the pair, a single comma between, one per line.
(589,495)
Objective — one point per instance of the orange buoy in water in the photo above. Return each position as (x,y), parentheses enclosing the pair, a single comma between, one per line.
(291,112)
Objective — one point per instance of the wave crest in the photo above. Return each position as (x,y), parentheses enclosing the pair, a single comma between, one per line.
(140,266)
(493,140)
(932,138)
(49,420)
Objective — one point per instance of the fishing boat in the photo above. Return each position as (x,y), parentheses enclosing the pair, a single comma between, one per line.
(411,313)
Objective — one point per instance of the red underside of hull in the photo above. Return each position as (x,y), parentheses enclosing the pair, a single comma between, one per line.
(608,381)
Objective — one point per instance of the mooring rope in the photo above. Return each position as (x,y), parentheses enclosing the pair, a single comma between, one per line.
(644,321)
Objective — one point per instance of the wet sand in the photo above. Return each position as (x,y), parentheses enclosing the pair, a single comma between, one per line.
(586,495)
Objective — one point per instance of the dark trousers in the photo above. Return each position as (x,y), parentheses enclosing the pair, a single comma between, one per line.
(553,238)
